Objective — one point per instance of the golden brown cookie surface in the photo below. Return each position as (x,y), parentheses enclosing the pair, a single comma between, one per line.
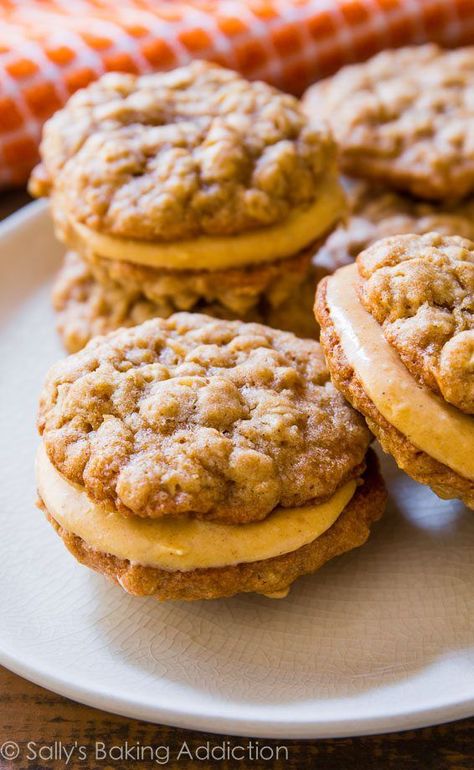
(215,419)
(85,308)
(169,156)
(420,289)
(238,291)
(405,118)
(89,300)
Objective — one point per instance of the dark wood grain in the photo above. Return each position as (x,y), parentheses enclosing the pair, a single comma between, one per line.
(35,716)
(11,201)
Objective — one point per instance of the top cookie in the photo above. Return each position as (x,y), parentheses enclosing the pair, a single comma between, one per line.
(406,118)
(196,416)
(375,213)
(178,154)
(420,288)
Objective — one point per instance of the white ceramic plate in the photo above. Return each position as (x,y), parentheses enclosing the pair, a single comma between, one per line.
(380,639)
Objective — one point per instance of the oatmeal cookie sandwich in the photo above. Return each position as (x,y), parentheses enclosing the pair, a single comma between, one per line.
(404,118)
(187,190)
(397,329)
(195,458)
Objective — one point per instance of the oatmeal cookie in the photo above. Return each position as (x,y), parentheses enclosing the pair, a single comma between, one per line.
(237,290)
(85,308)
(376,212)
(270,577)
(195,458)
(88,304)
(420,289)
(397,333)
(169,156)
(404,118)
(216,419)
(296,313)
(188,190)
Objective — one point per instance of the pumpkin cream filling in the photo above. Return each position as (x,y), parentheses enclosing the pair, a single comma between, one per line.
(212,252)
(183,544)
(430,423)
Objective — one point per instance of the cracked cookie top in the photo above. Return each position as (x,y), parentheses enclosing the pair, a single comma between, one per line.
(201,417)
(169,156)
(405,118)
(420,288)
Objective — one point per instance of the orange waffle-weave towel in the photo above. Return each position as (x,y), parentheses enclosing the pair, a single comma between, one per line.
(50,48)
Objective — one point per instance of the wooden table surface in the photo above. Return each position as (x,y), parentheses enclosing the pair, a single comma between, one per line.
(42,727)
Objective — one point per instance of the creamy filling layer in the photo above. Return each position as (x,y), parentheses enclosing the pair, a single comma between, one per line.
(183,544)
(431,424)
(207,252)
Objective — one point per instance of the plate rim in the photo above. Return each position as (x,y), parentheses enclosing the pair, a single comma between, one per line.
(256,727)
(393,720)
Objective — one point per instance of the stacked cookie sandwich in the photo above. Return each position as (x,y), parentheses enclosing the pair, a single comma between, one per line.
(397,328)
(195,458)
(188,190)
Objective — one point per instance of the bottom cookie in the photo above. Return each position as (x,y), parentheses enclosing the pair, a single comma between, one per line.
(86,307)
(271,577)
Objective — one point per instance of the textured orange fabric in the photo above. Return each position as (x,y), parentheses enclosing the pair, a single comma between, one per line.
(50,48)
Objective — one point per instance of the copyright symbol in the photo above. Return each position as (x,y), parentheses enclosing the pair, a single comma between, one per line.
(9,750)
